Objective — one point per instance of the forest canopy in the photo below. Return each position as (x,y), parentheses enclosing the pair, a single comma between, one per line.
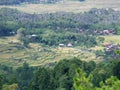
(68,74)
(64,27)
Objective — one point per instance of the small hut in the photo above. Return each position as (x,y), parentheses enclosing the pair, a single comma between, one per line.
(69,45)
(61,45)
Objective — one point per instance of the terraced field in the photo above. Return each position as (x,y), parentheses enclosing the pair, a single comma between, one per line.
(15,54)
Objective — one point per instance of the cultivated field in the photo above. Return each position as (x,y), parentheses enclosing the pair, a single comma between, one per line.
(13,53)
(112,38)
(67,6)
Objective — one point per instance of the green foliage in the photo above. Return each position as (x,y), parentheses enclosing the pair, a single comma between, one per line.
(118,31)
(111,83)
(117,52)
(24,76)
(2,80)
(88,67)
(10,87)
(56,28)
(100,39)
(21,36)
(81,82)
(103,71)
(42,80)
(116,70)
(99,75)
(61,77)
(68,74)
(20,32)
(64,72)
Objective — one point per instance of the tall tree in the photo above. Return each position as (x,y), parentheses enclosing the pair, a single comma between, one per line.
(42,80)
(24,76)
(81,82)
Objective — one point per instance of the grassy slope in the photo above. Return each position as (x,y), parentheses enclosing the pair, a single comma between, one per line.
(68,6)
(113,39)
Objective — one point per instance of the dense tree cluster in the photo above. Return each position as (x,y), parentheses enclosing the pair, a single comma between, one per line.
(99,19)
(68,74)
(55,28)
(81,82)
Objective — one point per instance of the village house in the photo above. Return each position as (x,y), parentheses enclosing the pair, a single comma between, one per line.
(61,45)
(111,47)
(69,45)
(30,36)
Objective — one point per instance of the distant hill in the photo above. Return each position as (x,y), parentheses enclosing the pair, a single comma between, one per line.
(65,6)
(14,2)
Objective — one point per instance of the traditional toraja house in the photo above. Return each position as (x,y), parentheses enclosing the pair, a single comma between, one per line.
(112,50)
(106,44)
(63,45)
(105,32)
(111,46)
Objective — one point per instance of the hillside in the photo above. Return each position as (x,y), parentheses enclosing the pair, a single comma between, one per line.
(17,2)
(59,45)
(67,6)
(41,35)
(13,53)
